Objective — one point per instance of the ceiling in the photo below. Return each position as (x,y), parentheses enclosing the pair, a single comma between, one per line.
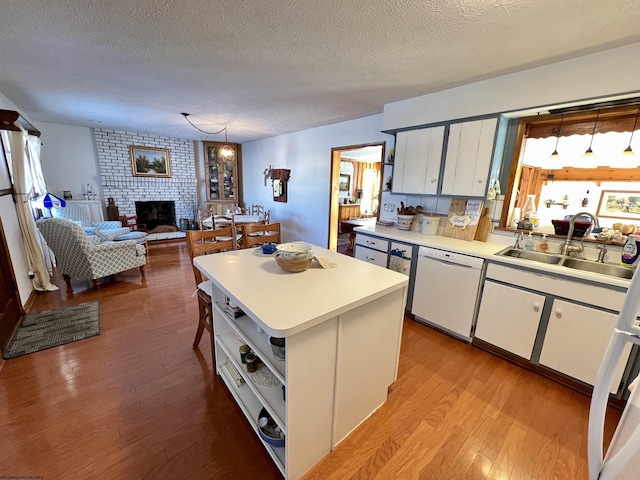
(267,68)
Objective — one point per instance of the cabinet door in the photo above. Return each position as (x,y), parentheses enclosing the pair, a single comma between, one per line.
(417,160)
(509,318)
(468,159)
(576,340)
(221,173)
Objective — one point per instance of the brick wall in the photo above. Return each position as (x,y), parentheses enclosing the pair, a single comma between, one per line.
(119,183)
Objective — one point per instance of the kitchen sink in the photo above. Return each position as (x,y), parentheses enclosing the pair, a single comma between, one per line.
(529,255)
(595,267)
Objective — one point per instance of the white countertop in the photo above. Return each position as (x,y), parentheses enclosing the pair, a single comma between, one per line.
(285,303)
(487,250)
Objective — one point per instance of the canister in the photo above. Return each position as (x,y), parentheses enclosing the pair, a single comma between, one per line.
(430,224)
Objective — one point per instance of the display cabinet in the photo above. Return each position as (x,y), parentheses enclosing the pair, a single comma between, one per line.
(221,172)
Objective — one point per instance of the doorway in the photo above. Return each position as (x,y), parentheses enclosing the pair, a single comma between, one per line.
(11,311)
(356,185)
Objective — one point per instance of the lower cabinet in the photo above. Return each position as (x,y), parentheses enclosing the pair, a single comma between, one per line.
(576,340)
(371,249)
(551,321)
(509,318)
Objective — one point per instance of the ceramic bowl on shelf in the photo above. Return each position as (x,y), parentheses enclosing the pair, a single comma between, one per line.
(268,430)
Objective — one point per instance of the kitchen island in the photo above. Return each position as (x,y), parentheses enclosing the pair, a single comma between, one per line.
(342,330)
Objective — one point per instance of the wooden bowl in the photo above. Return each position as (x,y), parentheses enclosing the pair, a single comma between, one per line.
(293,265)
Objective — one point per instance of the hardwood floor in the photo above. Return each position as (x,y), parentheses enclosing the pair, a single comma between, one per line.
(138,402)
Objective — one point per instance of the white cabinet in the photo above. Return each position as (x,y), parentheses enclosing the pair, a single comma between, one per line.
(576,339)
(371,249)
(468,158)
(418,156)
(93,208)
(509,318)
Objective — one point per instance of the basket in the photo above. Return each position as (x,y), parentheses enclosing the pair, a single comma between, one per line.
(293,265)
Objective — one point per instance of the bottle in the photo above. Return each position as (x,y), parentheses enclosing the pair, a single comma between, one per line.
(629,252)
(528,243)
(543,245)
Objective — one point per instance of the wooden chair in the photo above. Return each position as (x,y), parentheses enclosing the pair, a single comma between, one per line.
(202,242)
(257,209)
(258,234)
(132,223)
(203,215)
(267,216)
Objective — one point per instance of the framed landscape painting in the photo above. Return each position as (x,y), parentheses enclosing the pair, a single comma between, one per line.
(150,162)
(619,204)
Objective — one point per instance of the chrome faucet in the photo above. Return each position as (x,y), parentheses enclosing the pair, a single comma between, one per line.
(516,245)
(602,252)
(567,248)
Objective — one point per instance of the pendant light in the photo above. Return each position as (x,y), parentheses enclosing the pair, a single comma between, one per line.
(226,151)
(589,152)
(628,150)
(555,154)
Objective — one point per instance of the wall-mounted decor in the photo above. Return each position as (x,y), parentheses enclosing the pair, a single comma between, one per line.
(345,183)
(279,179)
(150,162)
(619,204)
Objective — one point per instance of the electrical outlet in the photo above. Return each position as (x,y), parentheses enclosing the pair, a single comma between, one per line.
(389,207)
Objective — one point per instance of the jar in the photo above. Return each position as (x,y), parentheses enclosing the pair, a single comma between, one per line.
(244,350)
(252,362)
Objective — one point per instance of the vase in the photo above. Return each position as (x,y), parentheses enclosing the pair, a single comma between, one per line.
(529,207)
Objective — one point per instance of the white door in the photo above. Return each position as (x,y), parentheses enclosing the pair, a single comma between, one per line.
(576,340)
(509,318)
(468,159)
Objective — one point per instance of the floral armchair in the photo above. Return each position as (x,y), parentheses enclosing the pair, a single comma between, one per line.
(81,256)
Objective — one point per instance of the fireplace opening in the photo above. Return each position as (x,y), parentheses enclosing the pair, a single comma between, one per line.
(156,214)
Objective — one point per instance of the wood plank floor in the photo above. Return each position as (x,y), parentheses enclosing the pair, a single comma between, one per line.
(138,402)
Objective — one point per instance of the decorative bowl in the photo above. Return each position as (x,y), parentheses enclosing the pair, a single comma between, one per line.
(268,429)
(404,222)
(294,265)
(294,250)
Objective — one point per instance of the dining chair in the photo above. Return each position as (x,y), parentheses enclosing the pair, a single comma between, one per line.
(203,215)
(259,234)
(203,242)
(267,216)
(257,209)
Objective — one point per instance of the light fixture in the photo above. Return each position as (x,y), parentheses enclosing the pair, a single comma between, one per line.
(226,151)
(555,150)
(589,152)
(628,150)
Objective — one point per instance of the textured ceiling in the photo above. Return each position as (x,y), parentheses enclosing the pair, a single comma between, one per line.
(270,67)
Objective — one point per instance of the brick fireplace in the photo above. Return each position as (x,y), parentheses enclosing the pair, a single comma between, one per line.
(119,182)
(156,214)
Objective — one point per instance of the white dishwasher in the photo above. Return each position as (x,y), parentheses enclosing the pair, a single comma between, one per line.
(446,290)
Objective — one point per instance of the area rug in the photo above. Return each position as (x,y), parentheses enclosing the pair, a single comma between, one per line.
(42,330)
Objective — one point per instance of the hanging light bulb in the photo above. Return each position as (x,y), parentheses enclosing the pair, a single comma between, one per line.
(226,151)
(589,152)
(628,151)
(555,154)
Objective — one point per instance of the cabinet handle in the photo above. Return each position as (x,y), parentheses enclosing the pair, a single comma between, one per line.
(480,180)
(370,242)
(369,259)
(434,180)
(558,313)
(536,307)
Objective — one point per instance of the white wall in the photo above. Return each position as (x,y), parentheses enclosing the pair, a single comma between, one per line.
(608,73)
(12,231)
(69,159)
(308,155)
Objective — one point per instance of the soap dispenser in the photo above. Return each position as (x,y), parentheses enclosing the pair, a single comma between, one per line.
(543,245)
(528,243)
(630,252)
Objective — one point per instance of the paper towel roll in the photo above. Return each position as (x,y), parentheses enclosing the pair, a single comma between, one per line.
(515,217)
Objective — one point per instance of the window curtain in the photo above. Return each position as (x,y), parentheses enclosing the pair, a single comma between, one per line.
(28,182)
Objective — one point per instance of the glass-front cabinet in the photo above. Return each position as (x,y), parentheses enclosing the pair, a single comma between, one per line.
(221,170)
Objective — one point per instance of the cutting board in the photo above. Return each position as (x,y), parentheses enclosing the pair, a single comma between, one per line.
(484,226)
(458,208)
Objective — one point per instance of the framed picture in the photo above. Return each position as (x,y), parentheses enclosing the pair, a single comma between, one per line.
(345,183)
(619,204)
(66,194)
(150,162)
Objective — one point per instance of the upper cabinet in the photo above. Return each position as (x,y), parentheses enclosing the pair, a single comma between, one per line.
(221,172)
(468,159)
(418,155)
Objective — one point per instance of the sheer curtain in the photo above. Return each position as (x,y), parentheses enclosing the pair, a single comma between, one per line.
(28,181)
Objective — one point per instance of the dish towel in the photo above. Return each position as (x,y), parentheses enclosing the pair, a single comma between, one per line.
(395,263)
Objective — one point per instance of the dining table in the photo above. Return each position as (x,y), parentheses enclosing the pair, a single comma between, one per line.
(238,219)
